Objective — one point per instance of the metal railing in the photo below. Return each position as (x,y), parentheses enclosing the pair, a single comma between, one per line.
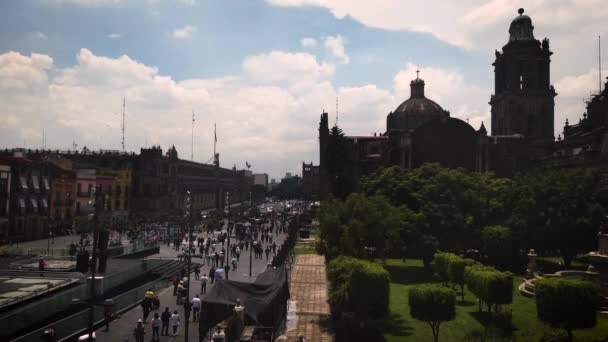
(76,324)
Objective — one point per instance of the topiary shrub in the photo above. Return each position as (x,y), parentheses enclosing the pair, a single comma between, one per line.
(567,303)
(441,263)
(456,269)
(358,286)
(492,287)
(432,304)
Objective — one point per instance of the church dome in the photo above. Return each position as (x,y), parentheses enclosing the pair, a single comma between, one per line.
(521,27)
(417,103)
(414,111)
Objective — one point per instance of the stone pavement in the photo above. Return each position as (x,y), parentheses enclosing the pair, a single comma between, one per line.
(308,289)
(121,329)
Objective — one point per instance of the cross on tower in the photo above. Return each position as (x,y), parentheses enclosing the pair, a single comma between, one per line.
(417,73)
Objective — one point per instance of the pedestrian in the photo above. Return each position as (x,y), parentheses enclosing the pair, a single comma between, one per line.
(41,264)
(267,252)
(182,273)
(234,263)
(196,308)
(197,272)
(164,318)
(175,322)
(218,335)
(146,305)
(180,293)
(156,328)
(238,253)
(175,284)
(140,331)
(212,274)
(204,280)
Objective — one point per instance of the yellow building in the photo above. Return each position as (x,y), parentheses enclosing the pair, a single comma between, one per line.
(121,189)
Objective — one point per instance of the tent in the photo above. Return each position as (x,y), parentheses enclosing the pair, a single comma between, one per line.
(265,300)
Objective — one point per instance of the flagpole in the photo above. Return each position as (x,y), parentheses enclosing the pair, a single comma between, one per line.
(192,143)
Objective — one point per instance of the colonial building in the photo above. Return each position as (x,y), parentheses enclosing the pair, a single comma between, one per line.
(522,123)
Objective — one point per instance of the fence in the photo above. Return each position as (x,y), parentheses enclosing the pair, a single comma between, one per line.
(76,324)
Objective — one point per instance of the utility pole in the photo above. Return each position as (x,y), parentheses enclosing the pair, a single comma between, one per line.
(192,143)
(227,256)
(124,104)
(189,223)
(93,266)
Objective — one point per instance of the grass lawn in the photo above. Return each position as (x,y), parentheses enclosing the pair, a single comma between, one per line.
(305,247)
(402,327)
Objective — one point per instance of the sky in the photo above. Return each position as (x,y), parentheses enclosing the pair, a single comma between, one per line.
(263,71)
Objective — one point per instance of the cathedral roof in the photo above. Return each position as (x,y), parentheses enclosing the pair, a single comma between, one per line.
(521,28)
(418,103)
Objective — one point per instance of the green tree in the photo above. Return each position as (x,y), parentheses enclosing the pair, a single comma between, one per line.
(498,246)
(432,304)
(339,164)
(456,271)
(567,303)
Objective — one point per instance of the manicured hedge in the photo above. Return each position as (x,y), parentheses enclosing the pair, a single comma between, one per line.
(489,285)
(567,303)
(456,270)
(358,286)
(441,263)
(432,304)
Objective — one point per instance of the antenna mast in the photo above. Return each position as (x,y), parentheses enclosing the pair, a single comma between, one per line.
(599,59)
(192,143)
(336,110)
(124,104)
(214,138)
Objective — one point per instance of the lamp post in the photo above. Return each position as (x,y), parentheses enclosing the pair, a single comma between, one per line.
(93,265)
(189,265)
(227,256)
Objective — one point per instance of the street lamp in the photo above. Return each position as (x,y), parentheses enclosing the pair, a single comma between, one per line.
(189,224)
(227,256)
(93,265)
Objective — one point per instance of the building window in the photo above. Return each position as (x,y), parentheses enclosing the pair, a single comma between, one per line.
(3,182)
(34,205)
(45,183)
(117,204)
(35,183)
(57,197)
(79,188)
(23,181)
(22,205)
(90,191)
(118,190)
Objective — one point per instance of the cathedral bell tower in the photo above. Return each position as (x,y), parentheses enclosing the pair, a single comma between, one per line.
(523,100)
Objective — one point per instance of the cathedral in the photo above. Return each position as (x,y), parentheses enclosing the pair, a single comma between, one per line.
(522,123)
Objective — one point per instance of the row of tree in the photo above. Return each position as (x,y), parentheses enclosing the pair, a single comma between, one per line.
(413,212)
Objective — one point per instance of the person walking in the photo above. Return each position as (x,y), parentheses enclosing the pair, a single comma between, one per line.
(204,280)
(197,272)
(140,331)
(164,318)
(175,322)
(196,308)
(212,274)
(175,283)
(155,323)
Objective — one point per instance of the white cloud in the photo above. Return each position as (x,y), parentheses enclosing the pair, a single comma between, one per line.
(308,42)
(335,45)
(279,66)
(39,35)
(114,35)
(89,2)
(184,32)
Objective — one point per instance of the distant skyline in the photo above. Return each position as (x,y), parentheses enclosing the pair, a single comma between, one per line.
(264,70)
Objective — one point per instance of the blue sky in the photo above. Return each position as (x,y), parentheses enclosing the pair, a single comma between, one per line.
(243,64)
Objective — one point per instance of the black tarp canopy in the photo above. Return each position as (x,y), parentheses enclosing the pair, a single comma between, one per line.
(265,300)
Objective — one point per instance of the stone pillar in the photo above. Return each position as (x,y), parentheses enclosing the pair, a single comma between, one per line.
(531,269)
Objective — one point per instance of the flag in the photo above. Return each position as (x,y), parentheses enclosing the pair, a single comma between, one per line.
(215,132)
(248,166)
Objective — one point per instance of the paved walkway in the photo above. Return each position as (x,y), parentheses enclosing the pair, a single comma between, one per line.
(121,329)
(308,288)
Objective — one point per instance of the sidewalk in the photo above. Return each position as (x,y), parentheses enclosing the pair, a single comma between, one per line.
(121,329)
(308,308)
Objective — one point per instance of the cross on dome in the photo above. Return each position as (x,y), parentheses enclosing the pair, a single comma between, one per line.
(417,73)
